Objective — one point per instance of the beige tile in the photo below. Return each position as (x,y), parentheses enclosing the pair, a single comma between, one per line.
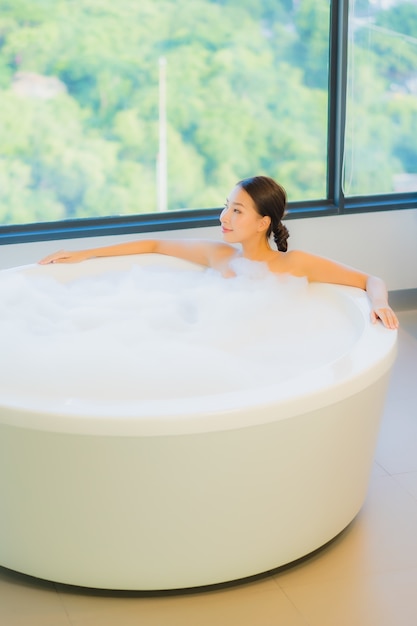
(25,601)
(403,371)
(408,482)
(408,322)
(396,448)
(382,600)
(26,618)
(378,470)
(382,538)
(259,603)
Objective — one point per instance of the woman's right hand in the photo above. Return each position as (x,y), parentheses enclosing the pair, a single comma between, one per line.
(65,256)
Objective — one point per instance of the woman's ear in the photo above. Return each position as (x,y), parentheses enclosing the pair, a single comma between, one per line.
(264,223)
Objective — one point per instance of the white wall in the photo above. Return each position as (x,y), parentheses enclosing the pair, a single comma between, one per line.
(382,243)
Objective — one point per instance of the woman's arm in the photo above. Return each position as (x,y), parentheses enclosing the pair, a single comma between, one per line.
(319,269)
(201,252)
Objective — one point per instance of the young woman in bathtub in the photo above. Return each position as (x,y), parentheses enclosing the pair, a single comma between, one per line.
(253,212)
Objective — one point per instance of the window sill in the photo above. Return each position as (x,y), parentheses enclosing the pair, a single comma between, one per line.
(186,219)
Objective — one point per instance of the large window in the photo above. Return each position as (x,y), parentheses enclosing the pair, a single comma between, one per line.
(137,106)
(122,110)
(381,122)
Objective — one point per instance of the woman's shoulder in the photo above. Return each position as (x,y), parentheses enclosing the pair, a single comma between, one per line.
(292,262)
(220,254)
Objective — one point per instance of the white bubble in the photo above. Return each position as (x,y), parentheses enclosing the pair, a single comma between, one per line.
(153,332)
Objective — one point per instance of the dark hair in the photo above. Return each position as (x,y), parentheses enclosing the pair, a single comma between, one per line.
(270,199)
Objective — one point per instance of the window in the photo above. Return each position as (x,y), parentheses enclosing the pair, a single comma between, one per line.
(381,121)
(134,107)
(128,116)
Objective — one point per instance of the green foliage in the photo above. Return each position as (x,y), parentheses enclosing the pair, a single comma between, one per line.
(391,35)
(312,21)
(401,18)
(382,119)
(246,94)
(402,111)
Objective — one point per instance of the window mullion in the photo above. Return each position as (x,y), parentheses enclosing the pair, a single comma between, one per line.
(337,100)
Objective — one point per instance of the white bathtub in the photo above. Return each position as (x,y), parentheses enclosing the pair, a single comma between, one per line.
(170,495)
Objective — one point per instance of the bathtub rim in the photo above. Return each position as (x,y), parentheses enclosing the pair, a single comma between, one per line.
(372,355)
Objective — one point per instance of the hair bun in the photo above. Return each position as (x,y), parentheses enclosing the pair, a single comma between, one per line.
(281,235)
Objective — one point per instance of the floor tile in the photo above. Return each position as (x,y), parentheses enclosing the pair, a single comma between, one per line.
(408,322)
(259,603)
(396,448)
(26,601)
(382,538)
(380,600)
(378,470)
(408,481)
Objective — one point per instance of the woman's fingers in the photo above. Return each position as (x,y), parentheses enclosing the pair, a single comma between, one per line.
(62,256)
(387,317)
(52,258)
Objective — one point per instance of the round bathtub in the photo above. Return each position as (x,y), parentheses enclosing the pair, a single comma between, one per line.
(191,492)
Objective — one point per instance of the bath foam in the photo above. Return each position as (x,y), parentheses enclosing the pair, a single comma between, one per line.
(156,332)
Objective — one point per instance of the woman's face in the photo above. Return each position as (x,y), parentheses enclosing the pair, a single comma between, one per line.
(239,219)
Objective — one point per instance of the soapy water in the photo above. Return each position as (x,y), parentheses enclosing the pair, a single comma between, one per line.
(159,332)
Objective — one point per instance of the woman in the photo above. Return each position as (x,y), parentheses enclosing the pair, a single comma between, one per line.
(253,212)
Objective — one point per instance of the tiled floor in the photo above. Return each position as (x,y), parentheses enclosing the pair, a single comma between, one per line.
(366,577)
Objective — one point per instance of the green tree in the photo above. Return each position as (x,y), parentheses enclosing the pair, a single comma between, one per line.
(311,50)
(391,35)
(369,158)
(239,101)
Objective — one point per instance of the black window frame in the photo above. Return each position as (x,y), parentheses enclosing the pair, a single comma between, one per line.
(335,204)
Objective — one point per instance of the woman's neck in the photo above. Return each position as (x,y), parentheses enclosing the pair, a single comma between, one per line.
(258,251)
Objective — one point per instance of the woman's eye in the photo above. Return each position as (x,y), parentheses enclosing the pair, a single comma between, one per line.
(236,211)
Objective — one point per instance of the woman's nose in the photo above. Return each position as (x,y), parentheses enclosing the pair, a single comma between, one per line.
(224,215)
